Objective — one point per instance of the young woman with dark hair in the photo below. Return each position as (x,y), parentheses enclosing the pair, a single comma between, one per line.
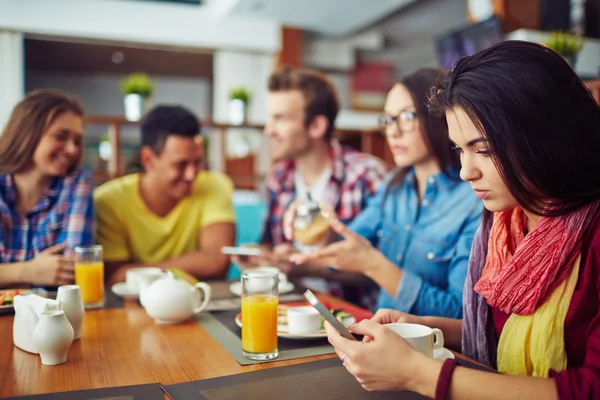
(46,206)
(413,238)
(528,133)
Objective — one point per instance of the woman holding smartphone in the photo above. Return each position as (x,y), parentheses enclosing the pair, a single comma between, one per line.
(46,206)
(528,132)
(414,237)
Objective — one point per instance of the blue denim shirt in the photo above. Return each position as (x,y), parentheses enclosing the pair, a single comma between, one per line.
(430,241)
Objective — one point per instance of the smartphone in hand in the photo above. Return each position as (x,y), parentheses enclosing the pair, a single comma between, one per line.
(329,317)
(240,251)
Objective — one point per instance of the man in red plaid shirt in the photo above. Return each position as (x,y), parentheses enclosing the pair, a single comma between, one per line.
(302,108)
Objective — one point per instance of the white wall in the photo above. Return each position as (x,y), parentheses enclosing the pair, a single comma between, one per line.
(11,73)
(341,82)
(100,93)
(347,118)
(329,53)
(141,22)
(232,69)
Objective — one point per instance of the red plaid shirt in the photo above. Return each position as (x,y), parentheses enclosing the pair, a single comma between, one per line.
(354,179)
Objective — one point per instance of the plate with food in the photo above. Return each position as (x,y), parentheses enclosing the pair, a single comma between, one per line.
(283,330)
(7,295)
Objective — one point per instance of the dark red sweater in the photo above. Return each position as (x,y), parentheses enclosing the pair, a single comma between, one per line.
(581,379)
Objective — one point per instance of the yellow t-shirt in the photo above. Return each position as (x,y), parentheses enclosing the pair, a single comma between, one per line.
(129,231)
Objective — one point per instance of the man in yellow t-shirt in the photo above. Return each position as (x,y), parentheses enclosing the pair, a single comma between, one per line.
(175,214)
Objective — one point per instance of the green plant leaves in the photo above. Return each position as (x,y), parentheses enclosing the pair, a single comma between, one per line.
(240,93)
(564,43)
(137,84)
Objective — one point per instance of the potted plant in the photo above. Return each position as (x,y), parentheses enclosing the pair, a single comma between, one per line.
(104,147)
(137,89)
(239,98)
(566,44)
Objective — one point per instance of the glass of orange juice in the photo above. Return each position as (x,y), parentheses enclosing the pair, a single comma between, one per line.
(260,299)
(89,275)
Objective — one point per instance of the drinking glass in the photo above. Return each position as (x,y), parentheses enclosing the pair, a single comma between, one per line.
(89,275)
(260,299)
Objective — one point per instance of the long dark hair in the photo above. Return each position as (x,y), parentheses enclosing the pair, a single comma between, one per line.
(434,127)
(541,122)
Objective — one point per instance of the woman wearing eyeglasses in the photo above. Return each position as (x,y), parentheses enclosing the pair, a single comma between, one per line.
(414,237)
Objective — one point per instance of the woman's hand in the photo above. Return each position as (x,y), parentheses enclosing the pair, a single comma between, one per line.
(278,257)
(386,316)
(251,261)
(353,254)
(50,267)
(290,215)
(387,362)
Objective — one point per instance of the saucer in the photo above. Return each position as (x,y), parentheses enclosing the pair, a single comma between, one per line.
(442,354)
(236,288)
(283,330)
(121,289)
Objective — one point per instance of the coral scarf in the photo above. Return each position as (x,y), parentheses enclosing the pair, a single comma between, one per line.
(520,271)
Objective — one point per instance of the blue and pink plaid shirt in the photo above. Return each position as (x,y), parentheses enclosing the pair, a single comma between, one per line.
(64,215)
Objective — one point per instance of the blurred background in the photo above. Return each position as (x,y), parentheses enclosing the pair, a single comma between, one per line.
(119,57)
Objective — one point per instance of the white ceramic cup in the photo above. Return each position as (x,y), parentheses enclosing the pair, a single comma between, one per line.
(303,319)
(133,275)
(71,301)
(275,270)
(423,338)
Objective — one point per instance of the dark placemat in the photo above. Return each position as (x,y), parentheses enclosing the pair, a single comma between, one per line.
(151,391)
(323,379)
(221,326)
(111,300)
(227,318)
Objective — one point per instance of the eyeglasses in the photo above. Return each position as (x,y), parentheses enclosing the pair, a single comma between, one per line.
(405,122)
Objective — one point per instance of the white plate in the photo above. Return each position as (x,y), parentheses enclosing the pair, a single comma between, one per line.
(442,354)
(121,289)
(236,288)
(23,292)
(282,330)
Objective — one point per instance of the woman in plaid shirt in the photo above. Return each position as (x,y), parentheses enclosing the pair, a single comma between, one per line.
(46,206)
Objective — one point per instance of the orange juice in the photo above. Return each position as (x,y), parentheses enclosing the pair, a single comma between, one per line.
(89,276)
(259,323)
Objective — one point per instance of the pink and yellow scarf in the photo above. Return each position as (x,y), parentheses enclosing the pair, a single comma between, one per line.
(533,277)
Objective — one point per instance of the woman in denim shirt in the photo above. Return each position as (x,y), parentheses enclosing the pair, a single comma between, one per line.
(414,237)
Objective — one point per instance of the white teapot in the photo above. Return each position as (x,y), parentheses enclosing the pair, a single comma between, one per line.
(170,300)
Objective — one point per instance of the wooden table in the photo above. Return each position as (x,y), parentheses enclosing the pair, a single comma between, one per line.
(122,346)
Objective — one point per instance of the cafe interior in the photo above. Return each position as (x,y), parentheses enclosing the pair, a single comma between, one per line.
(162,333)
